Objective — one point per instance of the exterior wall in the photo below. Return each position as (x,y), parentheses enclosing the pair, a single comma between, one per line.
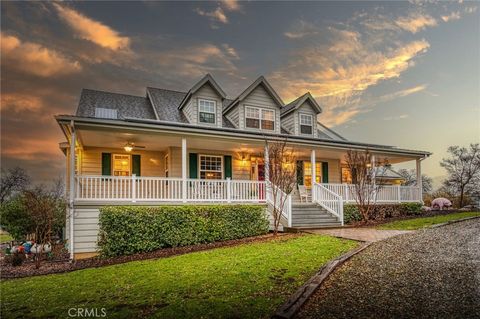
(334,171)
(85,225)
(259,97)
(240,169)
(191,109)
(152,162)
(291,122)
(233,116)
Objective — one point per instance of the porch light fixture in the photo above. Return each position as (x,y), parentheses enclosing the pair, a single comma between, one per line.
(128,147)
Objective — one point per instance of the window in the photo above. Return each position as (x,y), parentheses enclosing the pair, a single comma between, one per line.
(210,167)
(121,165)
(306,124)
(259,118)
(307,173)
(206,111)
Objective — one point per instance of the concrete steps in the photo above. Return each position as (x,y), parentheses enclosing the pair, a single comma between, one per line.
(308,215)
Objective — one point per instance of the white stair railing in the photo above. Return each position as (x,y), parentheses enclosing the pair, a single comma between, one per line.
(329,200)
(276,203)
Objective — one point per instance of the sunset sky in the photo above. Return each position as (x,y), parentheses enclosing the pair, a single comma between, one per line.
(395,73)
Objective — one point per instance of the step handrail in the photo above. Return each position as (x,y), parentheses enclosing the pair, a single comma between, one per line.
(329,200)
(287,207)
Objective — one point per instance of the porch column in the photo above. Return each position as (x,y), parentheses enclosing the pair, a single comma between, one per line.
(72,186)
(266,159)
(184,170)
(419,178)
(314,171)
(374,172)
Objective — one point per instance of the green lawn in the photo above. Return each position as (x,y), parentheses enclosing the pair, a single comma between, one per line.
(246,281)
(416,223)
(5,237)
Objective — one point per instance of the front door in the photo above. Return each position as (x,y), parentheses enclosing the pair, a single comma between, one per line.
(258,174)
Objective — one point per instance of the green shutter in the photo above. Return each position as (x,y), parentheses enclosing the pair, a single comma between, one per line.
(106,164)
(324,172)
(193,165)
(136,164)
(299,172)
(227,166)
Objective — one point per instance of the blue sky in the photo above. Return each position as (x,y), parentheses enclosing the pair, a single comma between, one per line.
(396,73)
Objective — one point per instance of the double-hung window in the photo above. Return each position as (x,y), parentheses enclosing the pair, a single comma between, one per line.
(259,118)
(206,109)
(306,124)
(210,167)
(121,165)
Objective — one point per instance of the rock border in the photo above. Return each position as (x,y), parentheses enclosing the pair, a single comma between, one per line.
(288,309)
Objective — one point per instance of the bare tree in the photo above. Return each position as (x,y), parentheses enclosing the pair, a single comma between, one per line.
(463,168)
(12,181)
(410,177)
(281,165)
(364,188)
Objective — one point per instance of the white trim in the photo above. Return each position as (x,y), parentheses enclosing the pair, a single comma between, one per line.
(260,118)
(210,155)
(300,114)
(214,111)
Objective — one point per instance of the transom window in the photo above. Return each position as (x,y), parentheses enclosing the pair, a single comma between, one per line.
(206,110)
(306,124)
(210,167)
(259,118)
(121,165)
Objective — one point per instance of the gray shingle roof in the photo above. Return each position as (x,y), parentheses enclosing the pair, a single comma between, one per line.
(126,105)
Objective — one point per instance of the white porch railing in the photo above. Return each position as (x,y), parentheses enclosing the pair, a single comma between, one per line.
(287,207)
(133,188)
(384,193)
(328,199)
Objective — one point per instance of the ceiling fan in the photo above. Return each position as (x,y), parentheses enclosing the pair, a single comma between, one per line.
(131,146)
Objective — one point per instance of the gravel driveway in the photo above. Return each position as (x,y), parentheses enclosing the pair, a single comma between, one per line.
(433,273)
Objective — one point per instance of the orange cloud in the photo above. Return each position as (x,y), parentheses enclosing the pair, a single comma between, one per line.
(216,15)
(92,30)
(20,102)
(231,5)
(452,16)
(416,22)
(35,59)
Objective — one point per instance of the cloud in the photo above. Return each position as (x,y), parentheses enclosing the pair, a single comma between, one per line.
(452,16)
(91,30)
(415,22)
(34,58)
(231,51)
(216,15)
(231,5)
(394,118)
(20,102)
(300,29)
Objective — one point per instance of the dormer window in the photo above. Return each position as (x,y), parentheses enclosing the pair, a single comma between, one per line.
(207,111)
(306,124)
(258,118)
(105,113)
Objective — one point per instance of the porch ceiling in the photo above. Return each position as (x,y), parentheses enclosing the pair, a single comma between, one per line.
(160,141)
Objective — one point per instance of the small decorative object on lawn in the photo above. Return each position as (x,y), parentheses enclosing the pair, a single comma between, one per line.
(440,203)
(36,248)
(426,208)
(27,246)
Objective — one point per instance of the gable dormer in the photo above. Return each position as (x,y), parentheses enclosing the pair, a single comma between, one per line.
(300,116)
(203,104)
(257,108)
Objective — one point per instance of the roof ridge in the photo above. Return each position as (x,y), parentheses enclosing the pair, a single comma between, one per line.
(102,91)
(151,87)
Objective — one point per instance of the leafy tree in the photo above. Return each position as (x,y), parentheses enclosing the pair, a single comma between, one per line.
(12,181)
(15,218)
(463,168)
(410,176)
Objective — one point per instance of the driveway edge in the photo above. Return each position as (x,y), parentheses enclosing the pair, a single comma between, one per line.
(453,221)
(288,309)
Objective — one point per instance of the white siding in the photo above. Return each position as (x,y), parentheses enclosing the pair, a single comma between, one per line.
(292,121)
(85,229)
(260,98)
(208,93)
(233,116)
(288,122)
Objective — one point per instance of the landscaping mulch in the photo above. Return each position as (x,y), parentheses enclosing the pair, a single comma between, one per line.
(27,269)
(431,273)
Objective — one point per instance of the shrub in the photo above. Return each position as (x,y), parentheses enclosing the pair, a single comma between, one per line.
(127,230)
(351,214)
(381,211)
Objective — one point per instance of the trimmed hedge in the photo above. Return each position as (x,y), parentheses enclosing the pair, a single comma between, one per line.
(126,230)
(379,212)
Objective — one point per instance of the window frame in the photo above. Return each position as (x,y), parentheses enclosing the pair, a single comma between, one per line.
(221,171)
(207,112)
(300,123)
(307,172)
(260,118)
(129,164)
